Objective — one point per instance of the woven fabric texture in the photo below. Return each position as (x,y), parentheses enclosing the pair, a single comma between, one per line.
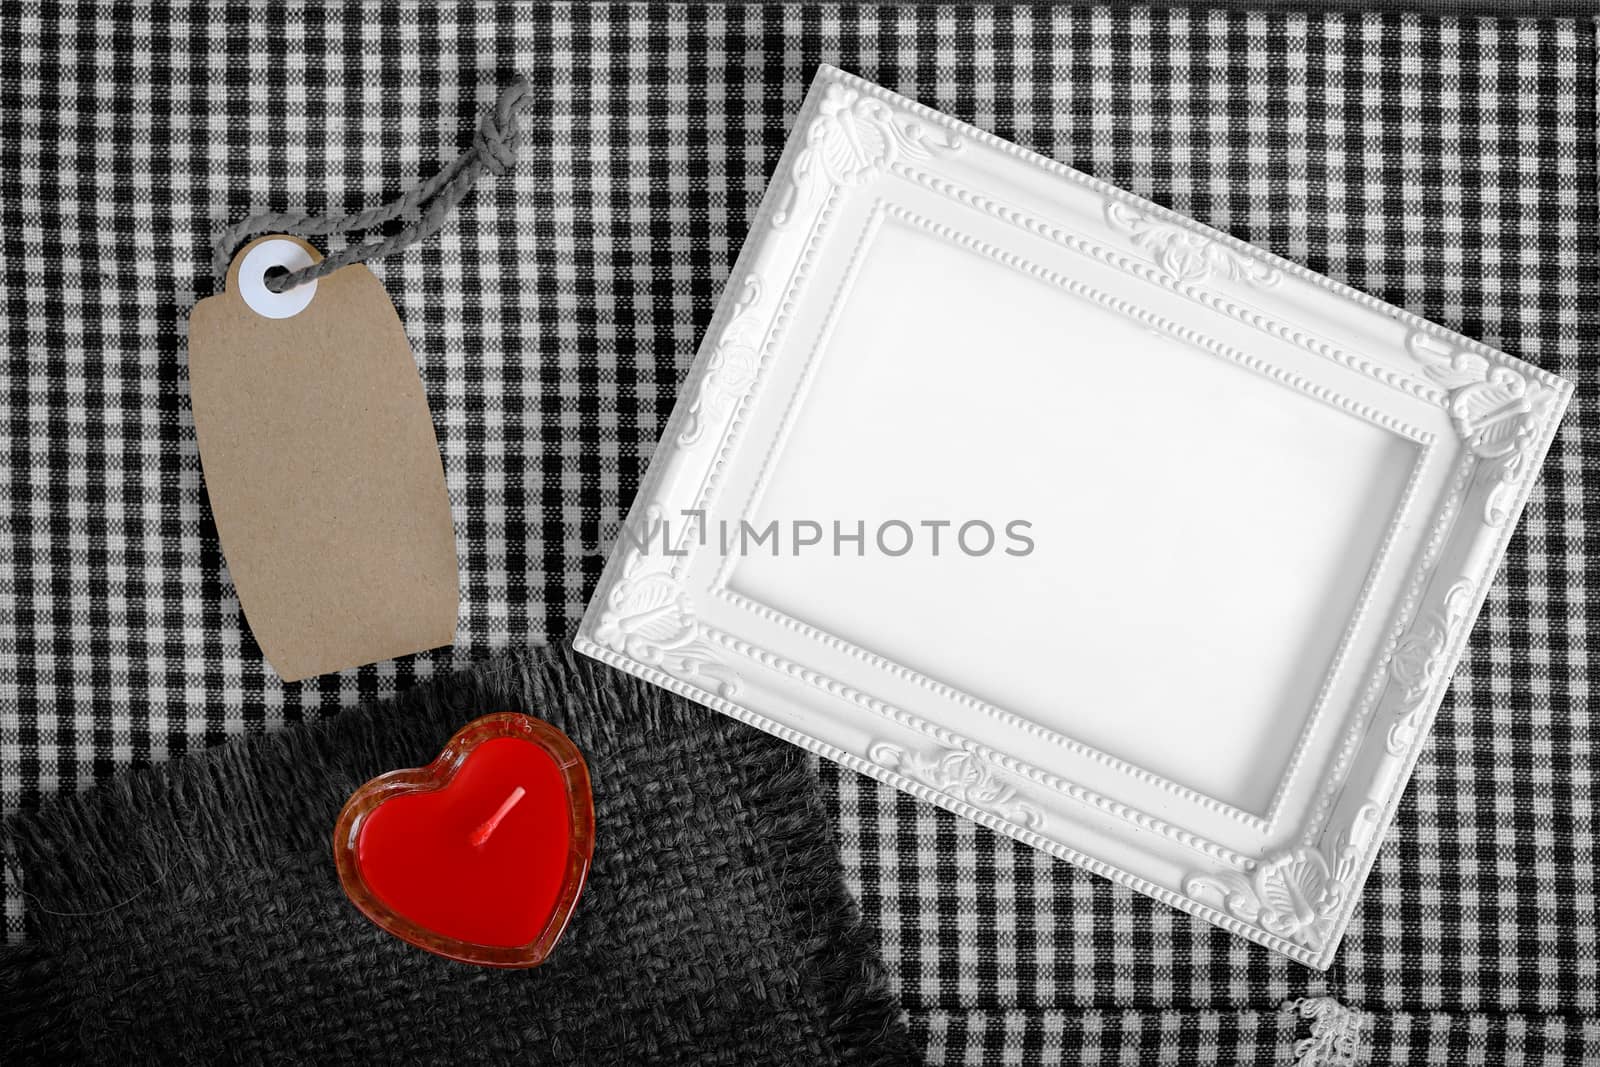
(191,914)
(1446,163)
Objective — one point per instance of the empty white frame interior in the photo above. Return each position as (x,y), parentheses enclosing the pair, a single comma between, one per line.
(1241,517)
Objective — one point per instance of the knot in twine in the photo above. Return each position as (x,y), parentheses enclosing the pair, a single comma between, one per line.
(499,134)
(494,151)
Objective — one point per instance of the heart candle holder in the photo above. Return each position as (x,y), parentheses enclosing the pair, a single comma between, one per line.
(480,856)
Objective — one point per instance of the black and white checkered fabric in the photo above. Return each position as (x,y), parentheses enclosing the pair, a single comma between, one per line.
(1447,164)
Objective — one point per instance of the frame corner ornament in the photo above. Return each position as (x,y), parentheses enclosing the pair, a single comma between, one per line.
(961,774)
(649,618)
(1297,895)
(1495,408)
(854,138)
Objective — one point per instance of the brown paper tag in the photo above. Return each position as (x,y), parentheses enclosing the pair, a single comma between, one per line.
(322,467)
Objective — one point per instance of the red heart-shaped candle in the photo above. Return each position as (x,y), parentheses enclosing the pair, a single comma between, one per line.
(480,855)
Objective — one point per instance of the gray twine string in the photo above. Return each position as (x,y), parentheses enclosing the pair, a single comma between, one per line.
(494,150)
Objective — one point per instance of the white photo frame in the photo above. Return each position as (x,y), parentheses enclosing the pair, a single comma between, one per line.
(1264,511)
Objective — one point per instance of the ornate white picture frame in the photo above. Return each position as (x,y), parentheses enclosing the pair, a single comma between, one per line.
(1214,528)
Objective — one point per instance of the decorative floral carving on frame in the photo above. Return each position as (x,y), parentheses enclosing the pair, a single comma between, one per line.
(1418,660)
(961,774)
(1497,410)
(1185,255)
(854,138)
(1296,895)
(731,370)
(650,619)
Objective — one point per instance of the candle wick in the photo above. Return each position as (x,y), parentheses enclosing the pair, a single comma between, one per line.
(481,834)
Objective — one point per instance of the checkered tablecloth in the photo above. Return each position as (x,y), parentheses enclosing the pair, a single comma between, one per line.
(1444,163)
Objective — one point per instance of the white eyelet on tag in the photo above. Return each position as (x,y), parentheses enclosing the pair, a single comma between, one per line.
(253,280)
